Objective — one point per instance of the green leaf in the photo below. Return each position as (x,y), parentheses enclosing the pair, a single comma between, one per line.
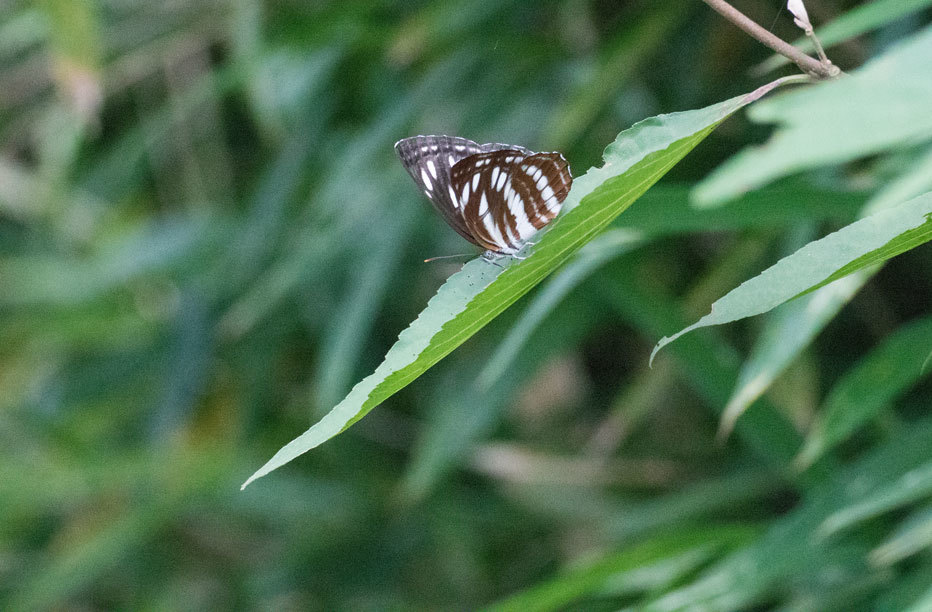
(915,179)
(602,249)
(868,388)
(663,210)
(911,537)
(788,553)
(909,239)
(348,332)
(709,366)
(481,290)
(601,84)
(66,280)
(923,603)
(792,328)
(657,552)
(795,325)
(914,485)
(859,245)
(448,437)
(882,105)
(666,209)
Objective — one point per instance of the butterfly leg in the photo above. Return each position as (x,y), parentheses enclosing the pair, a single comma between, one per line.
(492,257)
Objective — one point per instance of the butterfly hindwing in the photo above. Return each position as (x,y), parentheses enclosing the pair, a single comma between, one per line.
(507,195)
(429,159)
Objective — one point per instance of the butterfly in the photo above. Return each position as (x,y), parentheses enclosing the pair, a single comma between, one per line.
(495,195)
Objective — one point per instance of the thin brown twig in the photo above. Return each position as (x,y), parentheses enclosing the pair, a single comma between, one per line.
(807,64)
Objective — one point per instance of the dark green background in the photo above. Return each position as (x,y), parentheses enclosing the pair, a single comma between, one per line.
(206,239)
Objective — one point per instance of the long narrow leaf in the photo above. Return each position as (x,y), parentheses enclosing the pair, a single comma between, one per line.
(912,536)
(480,291)
(869,387)
(580,581)
(792,329)
(857,246)
(914,485)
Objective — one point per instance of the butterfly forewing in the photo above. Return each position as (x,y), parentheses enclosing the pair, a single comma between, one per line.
(429,159)
(506,196)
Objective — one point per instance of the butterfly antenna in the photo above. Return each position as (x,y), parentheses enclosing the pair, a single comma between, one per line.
(445,257)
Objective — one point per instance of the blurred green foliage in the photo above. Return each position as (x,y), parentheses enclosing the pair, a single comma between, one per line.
(206,239)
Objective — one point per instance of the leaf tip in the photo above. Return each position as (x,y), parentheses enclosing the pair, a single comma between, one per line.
(249,481)
(925,365)
(725,426)
(663,342)
(713,192)
(808,455)
(736,406)
(488,376)
(667,340)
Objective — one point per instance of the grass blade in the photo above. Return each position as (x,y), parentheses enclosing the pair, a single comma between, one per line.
(868,388)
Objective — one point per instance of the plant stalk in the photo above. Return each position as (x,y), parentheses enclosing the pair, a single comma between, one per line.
(807,64)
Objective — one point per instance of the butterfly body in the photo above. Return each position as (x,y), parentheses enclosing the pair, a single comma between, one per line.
(495,195)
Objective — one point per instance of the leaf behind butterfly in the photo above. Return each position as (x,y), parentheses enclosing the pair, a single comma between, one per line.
(478,293)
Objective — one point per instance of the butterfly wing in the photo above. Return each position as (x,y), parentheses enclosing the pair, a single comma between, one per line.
(505,196)
(429,159)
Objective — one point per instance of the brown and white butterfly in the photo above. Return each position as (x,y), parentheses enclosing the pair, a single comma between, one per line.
(495,195)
